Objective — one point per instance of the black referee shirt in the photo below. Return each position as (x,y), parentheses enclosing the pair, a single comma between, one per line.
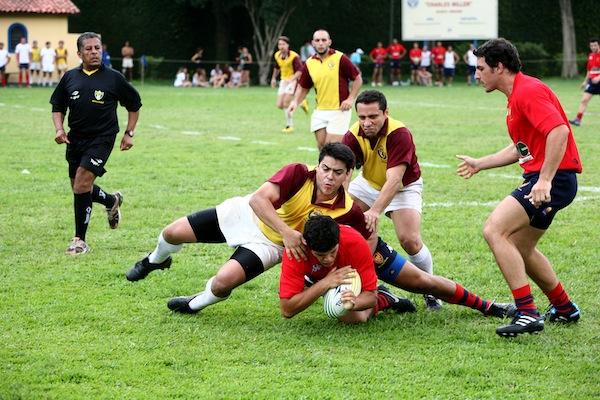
(92,100)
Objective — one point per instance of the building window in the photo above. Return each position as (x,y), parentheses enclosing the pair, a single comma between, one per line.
(15,32)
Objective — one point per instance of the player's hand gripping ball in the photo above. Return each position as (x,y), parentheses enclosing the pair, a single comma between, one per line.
(332,300)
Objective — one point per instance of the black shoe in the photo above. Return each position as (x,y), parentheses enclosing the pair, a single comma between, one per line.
(432,303)
(396,303)
(142,268)
(575,121)
(521,323)
(181,305)
(554,316)
(500,310)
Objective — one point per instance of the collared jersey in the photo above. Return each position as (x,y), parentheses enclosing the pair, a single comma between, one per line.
(393,146)
(593,65)
(61,56)
(394,50)
(330,77)
(35,54)
(289,65)
(533,110)
(378,54)
(297,201)
(92,100)
(438,53)
(353,250)
(415,55)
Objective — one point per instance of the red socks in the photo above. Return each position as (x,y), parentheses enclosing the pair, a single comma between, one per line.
(463,297)
(524,301)
(560,299)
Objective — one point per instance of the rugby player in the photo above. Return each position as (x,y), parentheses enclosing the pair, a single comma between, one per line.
(591,83)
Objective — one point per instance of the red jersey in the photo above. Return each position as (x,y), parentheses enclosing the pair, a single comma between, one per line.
(396,51)
(378,54)
(414,54)
(353,251)
(533,110)
(593,65)
(438,53)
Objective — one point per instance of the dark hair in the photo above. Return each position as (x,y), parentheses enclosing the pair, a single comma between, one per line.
(85,36)
(321,233)
(499,51)
(284,38)
(339,151)
(594,39)
(372,96)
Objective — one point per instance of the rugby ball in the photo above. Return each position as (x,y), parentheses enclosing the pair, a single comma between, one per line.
(332,299)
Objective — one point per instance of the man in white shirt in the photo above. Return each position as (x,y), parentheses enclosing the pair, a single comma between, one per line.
(48,58)
(471,60)
(22,53)
(4,60)
(450,60)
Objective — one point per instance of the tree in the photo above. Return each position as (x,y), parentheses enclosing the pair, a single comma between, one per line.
(269,18)
(569,64)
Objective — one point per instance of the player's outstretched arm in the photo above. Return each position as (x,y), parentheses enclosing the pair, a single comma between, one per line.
(470,166)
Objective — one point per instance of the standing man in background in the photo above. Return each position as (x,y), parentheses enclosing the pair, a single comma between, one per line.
(23,53)
(396,52)
(4,60)
(544,146)
(127,53)
(415,62)
(471,60)
(330,72)
(591,82)
(61,59)
(48,56)
(91,93)
(438,54)
(378,55)
(36,63)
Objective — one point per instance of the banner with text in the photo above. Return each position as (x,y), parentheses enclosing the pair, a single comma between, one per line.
(449,20)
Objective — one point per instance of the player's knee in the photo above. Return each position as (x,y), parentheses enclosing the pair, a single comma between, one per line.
(223,284)
(490,232)
(177,232)
(411,242)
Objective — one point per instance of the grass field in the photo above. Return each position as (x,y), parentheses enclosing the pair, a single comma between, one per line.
(74,328)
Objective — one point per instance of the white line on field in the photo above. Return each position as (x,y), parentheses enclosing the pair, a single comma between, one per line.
(229,138)
(448,204)
(2,104)
(155,126)
(192,133)
(594,189)
(432,165)
(38,109)
(306,148)
(263,142)
(507,176)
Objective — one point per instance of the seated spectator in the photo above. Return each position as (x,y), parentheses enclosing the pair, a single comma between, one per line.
(424,77)
(182,79)
(199,78)
(236,77)
(217,77)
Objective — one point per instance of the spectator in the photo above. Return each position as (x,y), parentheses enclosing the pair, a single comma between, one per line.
(245,61)
(182,79)
(61,59)
(471,60)
(356,57)
(106,57)
(306,51)
(415,62)
(199,78)
(450,60)
(396,52)
(4,60)
(424,77)
(235,77)
(48,56)
(22,51)
(426,58)
(36,63)
(378,56)
(217,77)
(127,53)
(438,54)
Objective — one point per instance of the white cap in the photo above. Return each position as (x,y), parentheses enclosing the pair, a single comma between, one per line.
(360,51)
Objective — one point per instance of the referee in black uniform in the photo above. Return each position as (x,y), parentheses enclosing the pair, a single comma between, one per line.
(91,93)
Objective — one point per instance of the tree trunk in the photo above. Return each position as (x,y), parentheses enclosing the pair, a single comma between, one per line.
(569,64)
(265,37)
(222,32)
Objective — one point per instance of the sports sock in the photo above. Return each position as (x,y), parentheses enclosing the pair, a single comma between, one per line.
(580,116)
(205,298)
(560,299)
(422,259)
(382,303)
(465,298)
(100,196)
(82,203)
(163,250)
(524,301)
(289,120)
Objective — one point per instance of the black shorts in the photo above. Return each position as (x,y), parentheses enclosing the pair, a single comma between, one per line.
(3,68)
(395,64)
(246,67)
(378,66)
(449,72)
(414,66)
(24,66)
(592,88)
(564,189)
(90,153)
(471,69)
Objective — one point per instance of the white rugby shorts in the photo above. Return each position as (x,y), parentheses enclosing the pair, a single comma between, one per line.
(239,225)
(127,62)
(335,122)
(410,196)
(48,67)
(34,66)
(287,87)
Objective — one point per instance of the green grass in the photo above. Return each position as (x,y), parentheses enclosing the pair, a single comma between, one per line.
(75,328)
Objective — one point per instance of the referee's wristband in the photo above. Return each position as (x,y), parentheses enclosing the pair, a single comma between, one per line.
(129,133)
